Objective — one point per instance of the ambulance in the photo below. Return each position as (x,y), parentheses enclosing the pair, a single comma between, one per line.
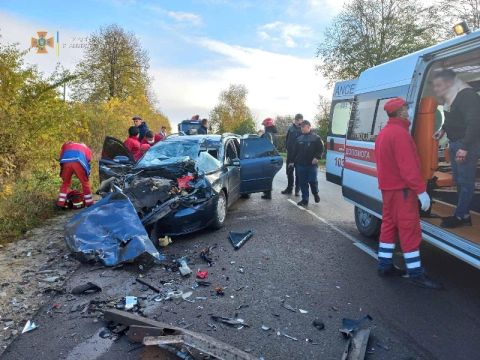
(357,116)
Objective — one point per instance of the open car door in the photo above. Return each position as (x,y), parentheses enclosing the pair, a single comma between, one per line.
(116,159)
(337,129)
(259,162)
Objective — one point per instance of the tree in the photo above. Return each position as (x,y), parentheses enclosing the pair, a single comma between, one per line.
(370,32)
(232,113)
(322,119)
(114,65)
(454,11)
(283,122)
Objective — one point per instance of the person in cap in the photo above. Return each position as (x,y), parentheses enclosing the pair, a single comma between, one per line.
(132,144)
(293,132)
(151,138)
(402,186)
(141,126)
(269,129)
(306,153)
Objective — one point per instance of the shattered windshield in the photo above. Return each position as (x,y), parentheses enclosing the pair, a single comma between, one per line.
(169,152)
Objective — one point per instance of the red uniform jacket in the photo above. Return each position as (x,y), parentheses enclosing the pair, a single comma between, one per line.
(133,146)
(156,139)
(398,164)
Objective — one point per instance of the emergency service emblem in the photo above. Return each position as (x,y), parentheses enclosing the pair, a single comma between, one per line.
(42,42)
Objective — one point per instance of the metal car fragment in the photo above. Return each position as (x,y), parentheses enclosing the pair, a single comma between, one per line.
(88,288)
(235,322)
(110,232)
(29,326)
(239,238)
(349,326)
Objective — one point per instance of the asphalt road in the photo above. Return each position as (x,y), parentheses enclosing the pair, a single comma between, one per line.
(312,260)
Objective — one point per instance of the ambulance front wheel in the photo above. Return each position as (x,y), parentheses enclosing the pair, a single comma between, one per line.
(367,224)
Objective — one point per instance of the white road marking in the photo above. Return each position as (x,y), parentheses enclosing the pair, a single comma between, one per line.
(354,240)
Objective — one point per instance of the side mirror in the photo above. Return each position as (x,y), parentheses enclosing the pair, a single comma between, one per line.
(121,159)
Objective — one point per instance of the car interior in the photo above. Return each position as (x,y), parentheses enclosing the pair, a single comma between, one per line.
(434,155)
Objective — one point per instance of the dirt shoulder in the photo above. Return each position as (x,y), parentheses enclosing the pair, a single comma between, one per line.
(32,270)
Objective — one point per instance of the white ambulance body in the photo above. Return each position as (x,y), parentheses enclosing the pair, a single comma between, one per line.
(350,155)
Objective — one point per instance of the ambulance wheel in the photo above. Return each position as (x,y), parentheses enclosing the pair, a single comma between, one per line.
(367,224)
(220,211)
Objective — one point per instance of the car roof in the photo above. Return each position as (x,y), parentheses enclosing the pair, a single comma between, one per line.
(196,138)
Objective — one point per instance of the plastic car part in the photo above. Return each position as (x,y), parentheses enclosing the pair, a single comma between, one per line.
(110,232)
(239,238)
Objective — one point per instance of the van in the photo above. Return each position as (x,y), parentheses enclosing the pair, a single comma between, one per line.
(350,149)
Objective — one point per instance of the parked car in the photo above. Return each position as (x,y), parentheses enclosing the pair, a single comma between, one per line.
(187,183)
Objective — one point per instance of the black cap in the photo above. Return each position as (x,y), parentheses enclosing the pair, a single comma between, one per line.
(136,117)
(305,122)
(299,117)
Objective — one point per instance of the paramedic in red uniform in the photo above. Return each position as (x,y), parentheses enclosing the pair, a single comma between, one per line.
(133,144)
(75,159)
(402,186)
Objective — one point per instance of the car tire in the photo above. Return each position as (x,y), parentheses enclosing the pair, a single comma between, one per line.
(367,224)
(220,213)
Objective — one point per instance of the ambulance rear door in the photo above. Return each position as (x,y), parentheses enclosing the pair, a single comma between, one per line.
(339,118)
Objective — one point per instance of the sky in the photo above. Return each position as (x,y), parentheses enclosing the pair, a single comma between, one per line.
(196,47)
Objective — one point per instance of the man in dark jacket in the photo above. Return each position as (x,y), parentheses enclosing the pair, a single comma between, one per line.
(293,133)
(306,154)
(203,129)
(462,126)
(141,126)
(269,129)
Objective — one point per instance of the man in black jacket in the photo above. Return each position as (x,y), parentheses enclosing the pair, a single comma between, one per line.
(462,126)
(293,133)
(306,154)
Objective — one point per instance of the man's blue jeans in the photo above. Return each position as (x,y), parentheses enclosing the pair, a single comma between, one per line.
(307,175)
(464,176)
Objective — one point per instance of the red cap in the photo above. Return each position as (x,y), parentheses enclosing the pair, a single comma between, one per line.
(267,122)
(394,105)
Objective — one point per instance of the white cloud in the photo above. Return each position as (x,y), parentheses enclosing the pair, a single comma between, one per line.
(278,84)
(287,34)
(181,16)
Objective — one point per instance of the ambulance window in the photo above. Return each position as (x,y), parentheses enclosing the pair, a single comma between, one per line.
(340,118)
(363,113)
(381,117)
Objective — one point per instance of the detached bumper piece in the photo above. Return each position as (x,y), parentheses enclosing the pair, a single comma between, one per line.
(110,232)
(239,238)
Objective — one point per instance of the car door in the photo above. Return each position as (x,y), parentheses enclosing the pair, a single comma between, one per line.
(232,171)
(115,160)
(259,162)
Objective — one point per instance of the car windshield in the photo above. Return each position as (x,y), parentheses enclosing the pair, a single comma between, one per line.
(170,152)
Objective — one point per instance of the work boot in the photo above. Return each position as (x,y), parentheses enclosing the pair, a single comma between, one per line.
(451,222)
(316,197)
(425,282)
(303,203)
(391,272)
(287,191)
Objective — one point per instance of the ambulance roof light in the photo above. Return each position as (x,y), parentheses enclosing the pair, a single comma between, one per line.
(461,28)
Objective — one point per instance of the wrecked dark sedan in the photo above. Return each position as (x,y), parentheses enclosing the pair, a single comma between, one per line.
(187,183)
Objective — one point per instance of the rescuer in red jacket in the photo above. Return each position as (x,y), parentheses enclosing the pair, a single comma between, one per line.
(402,186)
(133,144)
(75,159)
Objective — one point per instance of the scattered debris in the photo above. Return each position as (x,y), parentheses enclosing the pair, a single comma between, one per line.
(176,294)
(287,336)
(235,322)
(186,295)
(301,311)
(239,238)
(356,346)
(29,326)
(88,288)
(50,279)
(164,241)
(288,307)
(319,324)
(220,291)
(202,274)
(349,325)
(205,255)
(266,328)
(130,302)
(183,268)
(150,286)
(203,283)
(155,333)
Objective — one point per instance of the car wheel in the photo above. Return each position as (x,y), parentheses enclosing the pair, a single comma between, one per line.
(367,224)
(220,211)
